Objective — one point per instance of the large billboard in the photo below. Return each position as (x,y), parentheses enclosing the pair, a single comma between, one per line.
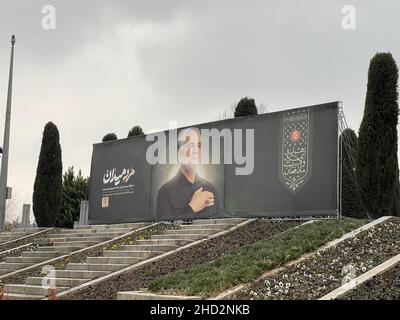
(281,164)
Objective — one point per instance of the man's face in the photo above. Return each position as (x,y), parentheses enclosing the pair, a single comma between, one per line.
(189,154)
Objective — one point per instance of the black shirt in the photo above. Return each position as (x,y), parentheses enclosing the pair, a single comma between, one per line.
(174,196)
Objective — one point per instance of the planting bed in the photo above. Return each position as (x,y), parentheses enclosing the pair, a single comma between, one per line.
(327,270)
(206,251)
(385,286)
(248,263)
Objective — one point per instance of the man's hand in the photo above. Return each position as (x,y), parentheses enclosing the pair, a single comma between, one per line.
(201,199)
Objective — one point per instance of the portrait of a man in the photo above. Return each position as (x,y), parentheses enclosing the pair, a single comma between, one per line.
(187,195)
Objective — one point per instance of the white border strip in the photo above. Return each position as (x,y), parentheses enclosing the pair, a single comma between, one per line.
(351,234)
(362,278)
(355,232)
(140,295)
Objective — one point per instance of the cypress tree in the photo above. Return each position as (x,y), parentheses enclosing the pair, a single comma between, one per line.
(245,107)
(377,164)
(75,189)
(351,197)
(47,190)
(109,137)
(135,131)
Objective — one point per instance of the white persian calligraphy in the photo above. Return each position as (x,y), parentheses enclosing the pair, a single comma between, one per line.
(111,177)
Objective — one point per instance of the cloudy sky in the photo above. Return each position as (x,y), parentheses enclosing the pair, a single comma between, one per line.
(109,65)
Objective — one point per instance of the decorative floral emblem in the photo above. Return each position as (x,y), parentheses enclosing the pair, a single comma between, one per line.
(295,162)
(295,135)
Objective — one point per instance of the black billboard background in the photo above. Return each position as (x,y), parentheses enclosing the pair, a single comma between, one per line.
(261,194)
(130,207)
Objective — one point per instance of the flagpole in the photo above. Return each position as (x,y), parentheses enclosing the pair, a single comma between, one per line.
(6,142)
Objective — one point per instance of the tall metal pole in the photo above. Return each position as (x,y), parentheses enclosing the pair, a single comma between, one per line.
(6,142)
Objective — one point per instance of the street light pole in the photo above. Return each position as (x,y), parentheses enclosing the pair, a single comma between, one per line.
(6,142)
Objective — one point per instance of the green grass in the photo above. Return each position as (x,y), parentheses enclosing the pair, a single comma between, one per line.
(249,262)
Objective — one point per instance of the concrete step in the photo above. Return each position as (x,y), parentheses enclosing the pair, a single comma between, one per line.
(13,265)
(206,225)
(73,231)
(191,231)
(149,247)
(44,254)
(65,249)
(31,230)
(108,234)
(29,260)
(121,230)
(86,226)
(135,225)
(168,242)
(95,267)
(21,230)
(5,271)
(188,237)
(6,233)
(213,226)
(42,242)
(79,274)
(131,253)
(29,289)
(219,221)
(15,233)
(51,241)
(140,295)
(6,239)
(75,243)
(74,234)
(17,296)
(59,282)
(86,235)
(95,237)
(100,230)
(20,234)
(67,235)
(114,260)
(113,226)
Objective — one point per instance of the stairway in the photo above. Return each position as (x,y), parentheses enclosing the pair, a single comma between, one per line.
(17,234)
(120,258)
(56,244)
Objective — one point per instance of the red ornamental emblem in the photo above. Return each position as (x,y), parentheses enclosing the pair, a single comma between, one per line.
(295,135)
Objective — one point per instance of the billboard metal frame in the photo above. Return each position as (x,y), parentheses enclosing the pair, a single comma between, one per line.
(254,213)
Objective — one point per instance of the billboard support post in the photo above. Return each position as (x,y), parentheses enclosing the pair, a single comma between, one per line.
(84,213)
(340,160)
(348,145)
(26,210)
